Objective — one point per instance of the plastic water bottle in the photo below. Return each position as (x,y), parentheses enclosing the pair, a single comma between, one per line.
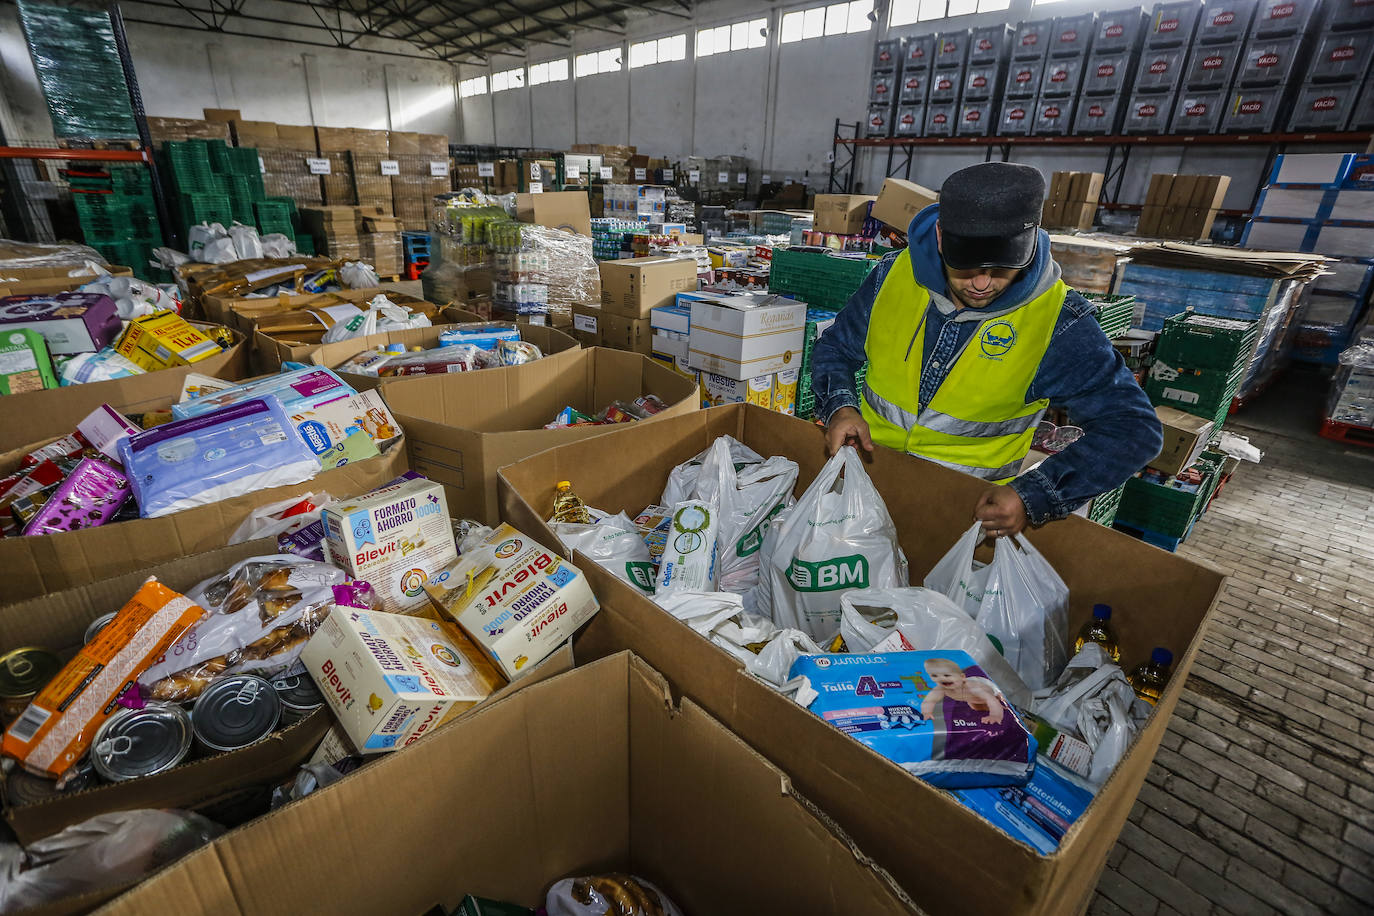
(1100,630)
(1149,679)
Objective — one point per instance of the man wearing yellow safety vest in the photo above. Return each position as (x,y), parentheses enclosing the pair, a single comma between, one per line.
(969,335)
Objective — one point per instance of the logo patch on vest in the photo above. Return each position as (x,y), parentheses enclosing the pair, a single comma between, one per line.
(997,339)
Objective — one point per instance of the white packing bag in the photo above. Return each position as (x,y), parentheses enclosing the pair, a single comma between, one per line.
(1093,700)
(277,245)
(267,521)
(246,241)
(748,499)
(927,621)
(682,480)
(720,617)
(614,543)
(958,576)
(1026,609)
(775,660)
(839,537)
(357,275)
(201,235)
(133,298)
(219,251)
(380,315)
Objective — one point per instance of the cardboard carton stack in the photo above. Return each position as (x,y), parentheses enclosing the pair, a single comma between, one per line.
(1071,202)
(373,188)
(630,290)
(381,242)
(1182,206)
(164,129)
(899,201)
(336,230)
(334,144)
(423,166)
(286,166)
(842,214)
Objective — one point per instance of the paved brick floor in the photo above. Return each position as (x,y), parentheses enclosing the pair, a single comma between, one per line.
(1261,799)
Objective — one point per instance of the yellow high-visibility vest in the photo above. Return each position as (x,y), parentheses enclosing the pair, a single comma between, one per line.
(978,421)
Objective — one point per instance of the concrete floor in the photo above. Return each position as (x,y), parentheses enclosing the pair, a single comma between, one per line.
(1261,799)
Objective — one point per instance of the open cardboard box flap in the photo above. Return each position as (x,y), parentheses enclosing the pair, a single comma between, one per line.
(1158,599)
(612,776)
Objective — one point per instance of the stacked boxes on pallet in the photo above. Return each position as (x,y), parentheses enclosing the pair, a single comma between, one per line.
(946,82)
(1337,72)
(422,160)
(917,62)
(1319,202)
(334,144)
(1160,71)
(1029,47)
(1107,72)
(117,214)
(883,86)
(1063,74)
(1331,309)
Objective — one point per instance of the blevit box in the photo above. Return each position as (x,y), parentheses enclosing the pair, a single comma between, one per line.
(391,679)
(746,336)
(395,538)
(514,599)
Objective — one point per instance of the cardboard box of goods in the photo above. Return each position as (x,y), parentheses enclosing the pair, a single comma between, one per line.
(308,325)
(631,334)
(205,285)
(466,425)
(548,340)
(1159,599)
(34,416)
(634,287)
(228,115)
(294,137)
(31,281)
(899,201)
(37,565)
(333,139)
(586,324)
(605,746)
(1185,436)
(164,340)
(255,133)
(271,353)
(842,214)
(747,336)
(719,390)
(566,210)
(432,144)
(370,142)
(672,344)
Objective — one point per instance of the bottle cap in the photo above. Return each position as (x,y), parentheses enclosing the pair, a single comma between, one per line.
(564,485)
(1162,656)
(1102,612)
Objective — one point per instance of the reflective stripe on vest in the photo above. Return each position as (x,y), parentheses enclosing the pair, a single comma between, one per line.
(977,421)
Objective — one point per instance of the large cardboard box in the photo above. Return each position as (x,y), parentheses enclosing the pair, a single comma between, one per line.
(842,214)
(630,334)
(586,323)
(38,565)
(462,427)
(27,281)
(634,287)
(899,201)
(54,412)
(743,337)
(294,137)
(1185,436)
(612,775)
(566,210)
(1158,599)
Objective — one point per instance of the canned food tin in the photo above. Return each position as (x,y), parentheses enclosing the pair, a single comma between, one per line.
(141,742)
(24,672)
(97,625)
(298,695)
(24,788)
(235,712)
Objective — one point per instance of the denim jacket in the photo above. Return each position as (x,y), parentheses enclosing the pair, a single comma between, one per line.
(1081,372)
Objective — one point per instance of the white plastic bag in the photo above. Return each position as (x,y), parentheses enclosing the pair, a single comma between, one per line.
(133,298)
(246,241)
(167,258)
(219,251)
(775,660)
(276,245)
(267,521)
(957,576)
(380,315)
(682,480)
(1093,699)
(927,621)
(201,235)
(357,275)
(1026,609)
(614,543)
(720,617)
(839,537)
(748,499)
(598,895)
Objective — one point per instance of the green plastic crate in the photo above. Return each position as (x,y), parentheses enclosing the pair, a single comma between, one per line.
(1163,509)
(1205,342)
(818,278)
(1103,508)
(1114,312)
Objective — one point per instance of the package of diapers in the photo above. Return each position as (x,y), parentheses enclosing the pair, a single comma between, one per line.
(935,714)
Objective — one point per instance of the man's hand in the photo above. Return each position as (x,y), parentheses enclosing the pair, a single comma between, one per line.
(1001,511)
(847,424)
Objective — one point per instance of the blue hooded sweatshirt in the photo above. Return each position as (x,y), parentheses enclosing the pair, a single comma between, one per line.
(1081,372)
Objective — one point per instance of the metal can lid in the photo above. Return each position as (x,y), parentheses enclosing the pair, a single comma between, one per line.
(25,788)
(297,692)
(27,670)
(95,626)
(235,712)
(141,742)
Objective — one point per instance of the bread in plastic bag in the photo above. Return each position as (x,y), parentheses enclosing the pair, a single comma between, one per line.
(837,538)
(1026,609)
(608,895)
(259,615)
(614,543)
(927,621)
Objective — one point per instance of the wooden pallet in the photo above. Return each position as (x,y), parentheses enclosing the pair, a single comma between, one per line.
(1347,433)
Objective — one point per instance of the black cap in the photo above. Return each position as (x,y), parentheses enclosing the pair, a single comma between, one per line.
(990,215)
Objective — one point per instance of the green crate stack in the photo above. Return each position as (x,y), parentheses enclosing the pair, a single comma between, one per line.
(305,244)
(104,217)
(273,217)
(1199,363)
(775,223)
(218,151)
(1164,509)
(819,278)
(1113,312)
(206,207)
(1103,508)
(806,398)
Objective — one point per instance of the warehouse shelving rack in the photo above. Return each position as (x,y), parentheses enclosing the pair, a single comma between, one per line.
(901,152)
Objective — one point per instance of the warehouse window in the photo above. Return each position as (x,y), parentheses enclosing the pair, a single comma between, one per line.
(590,64)
(475,86)
(752,33)
(658,51)
(554,71)
(835,19)
(508,79)
(905,12)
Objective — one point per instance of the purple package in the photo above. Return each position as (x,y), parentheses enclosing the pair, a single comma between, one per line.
(69,322)
(305,542)
(90,496)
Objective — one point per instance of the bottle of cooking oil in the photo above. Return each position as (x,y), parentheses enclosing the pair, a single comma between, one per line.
(1149,679)
(568,507)
(1099,630)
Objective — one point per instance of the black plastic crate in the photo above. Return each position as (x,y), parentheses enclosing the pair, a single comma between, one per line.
(888,53)
(1023,79)
(1016,117)
(1118,30)
(1225,21)
(1062,76)
(975,119)
(941,119)
(910,121)
(951,48)
(1198,111)
(1279,18)
(1252,110)
(1349,14)
(1268,61)
(1148,113)
(1160,69)
(1323,106)
(1341,56)
(944,86)
(879,122)
(882,89)
(914,87)
(1072,35)
(980,82)
(1172,24)
(1212,66)
(1363,117)
(1097,115)
(987,45)
(919,53)
(1031,40)
(1053,117)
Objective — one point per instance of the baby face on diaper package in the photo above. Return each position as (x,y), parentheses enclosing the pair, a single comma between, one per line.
(935,714)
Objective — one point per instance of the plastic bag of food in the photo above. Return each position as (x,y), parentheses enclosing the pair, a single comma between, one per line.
(604,895)
(1026,609)
(201,235)
(748,499)
(281,517)
(614,543)
(276,245)
(776,658)
(683,478)
(100,366)
(958,576)
(132,297)
(925,620)
(839,537)
(108,850)
(1093,699)
(357,275)
(380,315)
(689,552)
(260,614)
(246,241)
(721,618)
(462,358)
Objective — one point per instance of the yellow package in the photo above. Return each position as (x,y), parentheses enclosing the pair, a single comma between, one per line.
(164,339)
(785,391)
